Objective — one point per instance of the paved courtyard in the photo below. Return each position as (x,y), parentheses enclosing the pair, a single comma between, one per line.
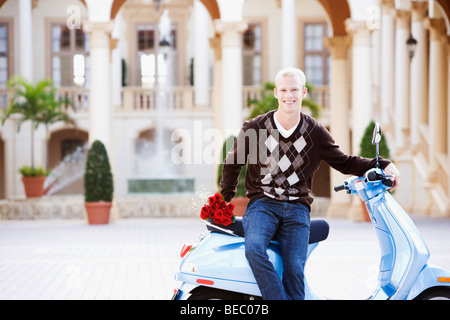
(137,258)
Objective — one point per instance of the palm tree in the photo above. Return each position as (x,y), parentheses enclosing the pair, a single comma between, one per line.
(38,104)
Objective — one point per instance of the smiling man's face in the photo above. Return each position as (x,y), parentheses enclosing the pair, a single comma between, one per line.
(290,92)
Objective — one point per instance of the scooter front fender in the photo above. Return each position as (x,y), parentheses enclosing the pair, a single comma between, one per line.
(428,278)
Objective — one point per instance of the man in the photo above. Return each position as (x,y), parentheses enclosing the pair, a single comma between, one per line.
(283,149)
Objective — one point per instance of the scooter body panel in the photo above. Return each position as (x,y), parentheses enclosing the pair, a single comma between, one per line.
(219,262)
(403,251)
(223,257)
(220,259)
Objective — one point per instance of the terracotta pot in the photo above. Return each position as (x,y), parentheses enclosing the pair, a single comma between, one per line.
(240,204)
(98,212)
(34,186)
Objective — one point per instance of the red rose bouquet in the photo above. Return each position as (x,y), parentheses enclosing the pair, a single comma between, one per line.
(218,210)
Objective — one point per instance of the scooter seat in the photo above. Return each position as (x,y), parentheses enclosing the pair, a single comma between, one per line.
(318,232)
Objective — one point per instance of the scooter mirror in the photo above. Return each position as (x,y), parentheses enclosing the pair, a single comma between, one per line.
(376,136)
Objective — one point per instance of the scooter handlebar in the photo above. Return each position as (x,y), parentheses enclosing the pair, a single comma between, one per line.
(388,182)
(339,188)
(373,176)
(370,176)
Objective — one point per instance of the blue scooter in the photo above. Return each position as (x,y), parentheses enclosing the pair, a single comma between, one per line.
(216,267)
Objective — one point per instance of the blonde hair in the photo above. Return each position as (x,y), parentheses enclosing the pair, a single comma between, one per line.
(291,72)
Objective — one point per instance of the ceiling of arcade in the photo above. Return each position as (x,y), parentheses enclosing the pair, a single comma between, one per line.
(337,10)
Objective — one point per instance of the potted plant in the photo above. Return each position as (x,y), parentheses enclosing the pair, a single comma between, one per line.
(98,184)
(367,150)
(38,104)
(33,180)
(240,201)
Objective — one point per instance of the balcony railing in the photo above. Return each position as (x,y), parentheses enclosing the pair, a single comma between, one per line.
(138,99)
(79,96)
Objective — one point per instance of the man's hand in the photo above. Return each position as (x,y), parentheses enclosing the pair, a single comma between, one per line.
(392,170)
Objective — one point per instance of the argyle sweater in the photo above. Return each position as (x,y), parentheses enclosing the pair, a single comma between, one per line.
(282,168)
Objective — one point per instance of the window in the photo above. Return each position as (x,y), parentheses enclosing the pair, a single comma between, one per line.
(316,55)
(157,65)
(70,56)
(252,55)
(4,55)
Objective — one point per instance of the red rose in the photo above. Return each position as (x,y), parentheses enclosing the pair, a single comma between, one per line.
(222,205)
(218,216)
(218,197)
(219,210)
(225,220)
(214,207)
(204,213)
(215,199)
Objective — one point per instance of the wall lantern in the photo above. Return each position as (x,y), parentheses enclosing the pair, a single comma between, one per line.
(411,44)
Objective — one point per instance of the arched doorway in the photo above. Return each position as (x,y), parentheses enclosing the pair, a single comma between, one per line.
(66,159)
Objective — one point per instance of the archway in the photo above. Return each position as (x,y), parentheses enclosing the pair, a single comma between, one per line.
(338,11)
(63,142)
(210,5)
(67,161)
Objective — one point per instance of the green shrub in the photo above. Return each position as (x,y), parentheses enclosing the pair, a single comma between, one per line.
(98,178)
(28,171)
(367,150)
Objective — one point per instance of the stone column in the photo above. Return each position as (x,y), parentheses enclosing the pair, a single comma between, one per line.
(116,62)
(362,108)
(361,80)
(339,117)
(25,52)
(201,55)
(288,34)
(216,102)
(231,41)
(402,71)
(437,92)
(387,59)
(419,71)
(100,113)
(448,118)
(448,103)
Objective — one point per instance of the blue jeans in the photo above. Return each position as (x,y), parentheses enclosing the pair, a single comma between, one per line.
(264,219)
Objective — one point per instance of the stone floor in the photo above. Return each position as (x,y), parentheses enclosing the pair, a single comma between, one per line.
(137,258)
